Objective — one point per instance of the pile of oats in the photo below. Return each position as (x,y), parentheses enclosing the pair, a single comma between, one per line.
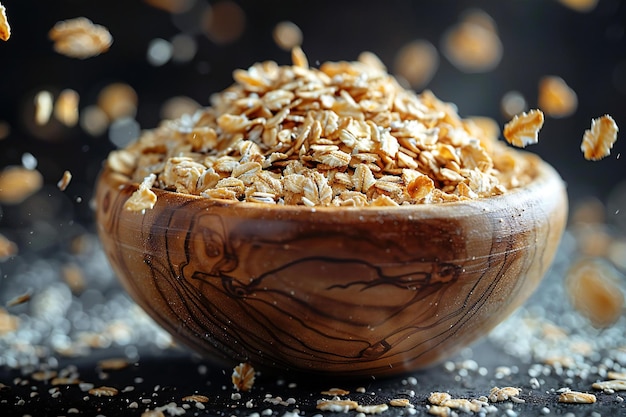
(343,134)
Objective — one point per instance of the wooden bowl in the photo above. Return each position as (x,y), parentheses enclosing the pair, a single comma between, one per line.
(341,291)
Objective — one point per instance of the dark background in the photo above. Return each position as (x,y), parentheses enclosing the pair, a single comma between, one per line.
(540,38)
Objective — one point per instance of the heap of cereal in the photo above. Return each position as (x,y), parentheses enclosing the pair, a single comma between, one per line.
(343,134)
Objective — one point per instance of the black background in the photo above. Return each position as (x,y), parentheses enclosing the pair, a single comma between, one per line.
(540,38)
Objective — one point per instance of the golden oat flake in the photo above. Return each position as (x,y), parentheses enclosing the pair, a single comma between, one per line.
(5,29)
(598,141)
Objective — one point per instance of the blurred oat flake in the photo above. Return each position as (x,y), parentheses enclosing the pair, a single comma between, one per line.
(473,44)
(582,6)
(287,35)
(80,38)
(416,62)
(5,29)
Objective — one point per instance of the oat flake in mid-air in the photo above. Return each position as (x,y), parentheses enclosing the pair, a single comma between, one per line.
(80,38)
(5,29)
(598,141)
(523,130)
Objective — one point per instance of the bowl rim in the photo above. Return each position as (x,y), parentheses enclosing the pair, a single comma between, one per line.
(543,174)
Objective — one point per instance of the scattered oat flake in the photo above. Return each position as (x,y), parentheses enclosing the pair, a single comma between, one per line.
(20,299)
(399,402)
(64,381)
(80,38)
(243,377)
(335,391)
(8,322)
(439,398)
(614,384)
(103,391)
(197,398)
(523,130)
(372,409)
(5,29)
(43,375)
(113,364)
(43,107)
(65,180)
(616,375)
(440,411)
(338,406)
(502,394)
(576,397)
(598,141)
(143,198)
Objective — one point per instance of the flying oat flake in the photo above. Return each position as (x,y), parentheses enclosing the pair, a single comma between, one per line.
(523,130)
(598,141)
(80,38)
(5,29)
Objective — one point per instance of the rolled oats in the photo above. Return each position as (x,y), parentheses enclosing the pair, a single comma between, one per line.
(438,398)
(143,198)
(113,364)
(439,411)
(66,107)
(582,6)
(80,38)
(64,181)
(335,392)
(598,141)
(243,377)
(372,409)
(341,406)
(502,394)
(523,130)
(399,402)
(614,384)
(472,47)
(593,288)
(417,62)
(8,248)
(343,134)
(287,35)
(43,107)
(616,375)
(197,398)
(576,397)
(18,183)
(5,29)
(104,391)
(20,299)
(556,98)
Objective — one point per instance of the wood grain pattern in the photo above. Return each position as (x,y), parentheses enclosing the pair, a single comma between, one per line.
(331,290)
